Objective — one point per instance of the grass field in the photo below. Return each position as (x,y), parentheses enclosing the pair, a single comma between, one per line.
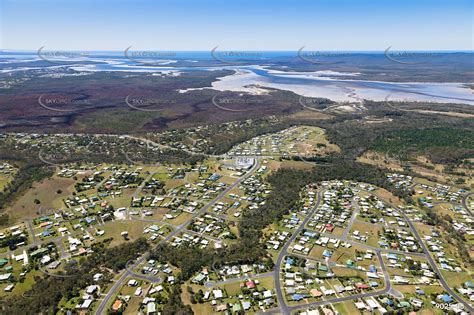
(368,230)
(348,272)
(46,192)
(456,279)
(122,200)
(22,286)
(113,229)
(232,288)
(180,219)
(346,308)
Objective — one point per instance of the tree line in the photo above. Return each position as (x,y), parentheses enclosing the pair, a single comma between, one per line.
(47,292)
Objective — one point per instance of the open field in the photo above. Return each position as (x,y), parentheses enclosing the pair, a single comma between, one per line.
(46,192)
(115,228)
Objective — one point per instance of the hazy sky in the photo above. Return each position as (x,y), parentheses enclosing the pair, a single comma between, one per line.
(237,24)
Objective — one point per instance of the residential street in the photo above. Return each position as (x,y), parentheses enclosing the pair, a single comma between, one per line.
(127,273)
(280,296)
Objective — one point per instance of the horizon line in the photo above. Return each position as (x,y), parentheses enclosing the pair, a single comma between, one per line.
(241,50)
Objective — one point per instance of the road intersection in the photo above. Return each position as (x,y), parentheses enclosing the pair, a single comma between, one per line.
(388,289)
(129,271)
(280,296)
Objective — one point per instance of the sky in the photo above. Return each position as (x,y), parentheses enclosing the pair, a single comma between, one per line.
(255,25)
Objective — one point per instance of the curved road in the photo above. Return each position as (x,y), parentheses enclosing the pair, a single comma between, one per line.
(127,273)
(434,266)
(285,309)
(431,260)
(387,289)
(280,296)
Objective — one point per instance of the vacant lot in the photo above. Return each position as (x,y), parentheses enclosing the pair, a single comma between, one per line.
(46,192)
(115,228)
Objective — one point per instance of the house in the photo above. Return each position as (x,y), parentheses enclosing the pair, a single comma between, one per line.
(9,288)
(54,264)
(199,278)
(327,311)
(132,283)
(117,305)
(339,288)
(360,305)
(236,308)
(327,291)
(419,291)
(316,293)
(362,286)
(218,294)
(45,259)
(329,227)
(97,277)
(221,308)
(159,288)
(151,308)
(400,280)
(138,291)
(445,298)
(5,276)
(416,302)
(246,305)
(92,289)
(371,304)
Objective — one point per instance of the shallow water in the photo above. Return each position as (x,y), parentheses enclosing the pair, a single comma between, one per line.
(254,79)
